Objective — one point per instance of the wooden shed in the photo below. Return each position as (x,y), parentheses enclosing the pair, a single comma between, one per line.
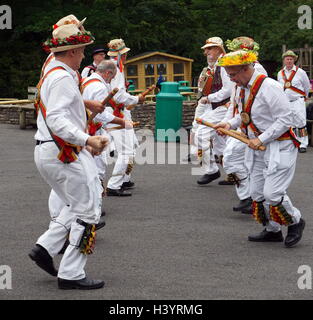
(144,69)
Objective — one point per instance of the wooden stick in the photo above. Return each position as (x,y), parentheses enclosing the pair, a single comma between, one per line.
(228,132)
(110,96)
(104,102)
(16,102)
(130,107)
(135,124)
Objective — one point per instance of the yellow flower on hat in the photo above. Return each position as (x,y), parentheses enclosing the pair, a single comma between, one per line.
(237,58)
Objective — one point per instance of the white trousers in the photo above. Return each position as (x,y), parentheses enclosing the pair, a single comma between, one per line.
(124,140)
(272,187)
(299,111)
(206,136)
(78,186)
(234,162)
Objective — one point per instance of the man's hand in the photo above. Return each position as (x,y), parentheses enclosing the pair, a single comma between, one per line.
(94,106)
(255,143)
(141,98)
(204,100)
(223,125)
(97,143)
(128,124)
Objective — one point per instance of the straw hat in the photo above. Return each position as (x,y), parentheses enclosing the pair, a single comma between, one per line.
(242,43)
(70,19)
(290,53)
(214,42)
(66,37)
(237,58)
(117,47)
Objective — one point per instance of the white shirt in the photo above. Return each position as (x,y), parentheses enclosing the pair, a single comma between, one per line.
(65,109)
(230,111)
(271,111)
(98,91)
(86,70)
(300,81)
(122,96)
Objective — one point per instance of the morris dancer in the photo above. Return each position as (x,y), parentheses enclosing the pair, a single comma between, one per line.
(215,90)
(63,161)
(97,87)
(55,203)
(234,152)
(98,55)
(124,140)
(297,87)
(266,118)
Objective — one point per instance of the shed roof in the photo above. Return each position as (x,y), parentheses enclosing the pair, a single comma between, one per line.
(154,53)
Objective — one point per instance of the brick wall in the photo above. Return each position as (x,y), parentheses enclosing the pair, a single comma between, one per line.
(144,113)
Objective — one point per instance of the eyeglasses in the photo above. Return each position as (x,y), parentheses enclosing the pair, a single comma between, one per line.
(233,75)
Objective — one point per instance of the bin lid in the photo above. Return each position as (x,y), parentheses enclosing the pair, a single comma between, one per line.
(169,87)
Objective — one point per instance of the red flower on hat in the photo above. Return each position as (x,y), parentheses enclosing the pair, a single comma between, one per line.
(55,26)
(55,41)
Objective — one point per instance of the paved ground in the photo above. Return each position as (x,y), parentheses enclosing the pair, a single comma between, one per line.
(171,240)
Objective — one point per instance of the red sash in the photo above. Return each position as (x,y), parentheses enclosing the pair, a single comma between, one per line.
(68,152)
(93,126)
(287,84)
(117,108)
(247,107)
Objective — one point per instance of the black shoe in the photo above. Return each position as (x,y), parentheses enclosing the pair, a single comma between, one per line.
(100,224)
(82,284)
(294,233)
(207,178)
(112,153)
(128,185)
(43,259)
(243,204)
(247,210)
(66,243)
(267,236)
(302,150)
(117,193)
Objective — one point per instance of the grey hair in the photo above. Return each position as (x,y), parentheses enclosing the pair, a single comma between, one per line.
(106,65)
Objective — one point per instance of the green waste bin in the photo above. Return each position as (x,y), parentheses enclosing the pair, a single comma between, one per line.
(183,86)
(131,87)
(168,113)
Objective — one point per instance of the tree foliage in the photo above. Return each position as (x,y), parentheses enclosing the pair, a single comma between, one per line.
(178,26)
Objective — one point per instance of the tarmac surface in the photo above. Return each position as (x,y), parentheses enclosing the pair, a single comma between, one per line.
(171,240)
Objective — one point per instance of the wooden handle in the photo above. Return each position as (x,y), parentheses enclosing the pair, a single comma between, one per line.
(228,132)
(110,96)
(135,124)
(104,102)
(16,102)
(148,90)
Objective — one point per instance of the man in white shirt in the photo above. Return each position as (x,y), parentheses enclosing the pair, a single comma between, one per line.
(266,118)
(234,152)
(214,94)
(97,87)
(98,55)
(63,158)
(297,87)
(124,140)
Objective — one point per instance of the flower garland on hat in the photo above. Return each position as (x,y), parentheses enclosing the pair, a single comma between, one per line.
(237,58)
(80,38)
(237,44)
